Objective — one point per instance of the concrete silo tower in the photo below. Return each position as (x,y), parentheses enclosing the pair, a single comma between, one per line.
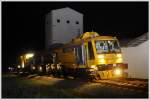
(62,25)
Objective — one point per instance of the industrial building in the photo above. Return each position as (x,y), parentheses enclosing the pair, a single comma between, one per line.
(136,54)
(62,25)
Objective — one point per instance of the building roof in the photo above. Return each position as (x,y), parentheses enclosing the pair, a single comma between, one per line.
(138,40)
(134,42)
(67,9)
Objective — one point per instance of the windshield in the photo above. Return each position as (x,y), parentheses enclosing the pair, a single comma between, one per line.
(107,46)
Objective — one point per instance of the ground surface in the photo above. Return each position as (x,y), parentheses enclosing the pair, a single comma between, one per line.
(14,86)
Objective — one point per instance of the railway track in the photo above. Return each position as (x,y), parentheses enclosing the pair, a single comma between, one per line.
(133,85)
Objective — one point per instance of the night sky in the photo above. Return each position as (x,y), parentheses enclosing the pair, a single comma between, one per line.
(23,23)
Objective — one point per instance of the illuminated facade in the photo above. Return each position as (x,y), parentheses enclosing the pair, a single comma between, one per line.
(61,25)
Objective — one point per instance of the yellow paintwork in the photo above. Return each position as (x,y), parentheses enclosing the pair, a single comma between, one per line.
(109,74)
(88,35)
(108,59)
(23,60)
(69,58)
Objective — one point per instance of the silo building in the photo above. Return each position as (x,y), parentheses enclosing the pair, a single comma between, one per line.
(62,25)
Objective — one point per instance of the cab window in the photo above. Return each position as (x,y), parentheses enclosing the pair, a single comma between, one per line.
(101,47)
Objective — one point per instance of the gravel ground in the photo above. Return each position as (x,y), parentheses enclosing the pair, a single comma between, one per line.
(49,87)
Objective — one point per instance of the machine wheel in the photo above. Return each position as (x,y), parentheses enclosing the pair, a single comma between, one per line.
(95,77)
(75,76)
(59,70)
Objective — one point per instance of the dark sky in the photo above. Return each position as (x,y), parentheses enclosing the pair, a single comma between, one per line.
(23,22)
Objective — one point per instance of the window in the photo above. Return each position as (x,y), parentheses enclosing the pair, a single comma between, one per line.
(78,52)
(101,47)
(58,20)
(77,22)
(113,46)
(106,46)
(90,51)
(68,21)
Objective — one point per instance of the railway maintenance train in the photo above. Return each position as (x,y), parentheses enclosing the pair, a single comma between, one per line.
(89,56)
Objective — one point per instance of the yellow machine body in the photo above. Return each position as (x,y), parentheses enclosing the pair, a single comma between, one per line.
(85,52)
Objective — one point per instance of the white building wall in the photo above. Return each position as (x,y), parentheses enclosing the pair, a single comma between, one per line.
(138,60)
(58,30)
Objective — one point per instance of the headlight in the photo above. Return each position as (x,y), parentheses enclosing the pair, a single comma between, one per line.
(119,60)
(19,66)
(40,68)
(101,60)
(94,67)
(33,68)
(29,55)
(100,56)
(118,71)
(119,55)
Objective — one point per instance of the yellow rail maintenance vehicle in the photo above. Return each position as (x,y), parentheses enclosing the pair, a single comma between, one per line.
(92,56)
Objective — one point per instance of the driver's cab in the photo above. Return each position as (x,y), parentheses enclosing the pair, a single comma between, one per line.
(103,53)
(107,51)
(103,50)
